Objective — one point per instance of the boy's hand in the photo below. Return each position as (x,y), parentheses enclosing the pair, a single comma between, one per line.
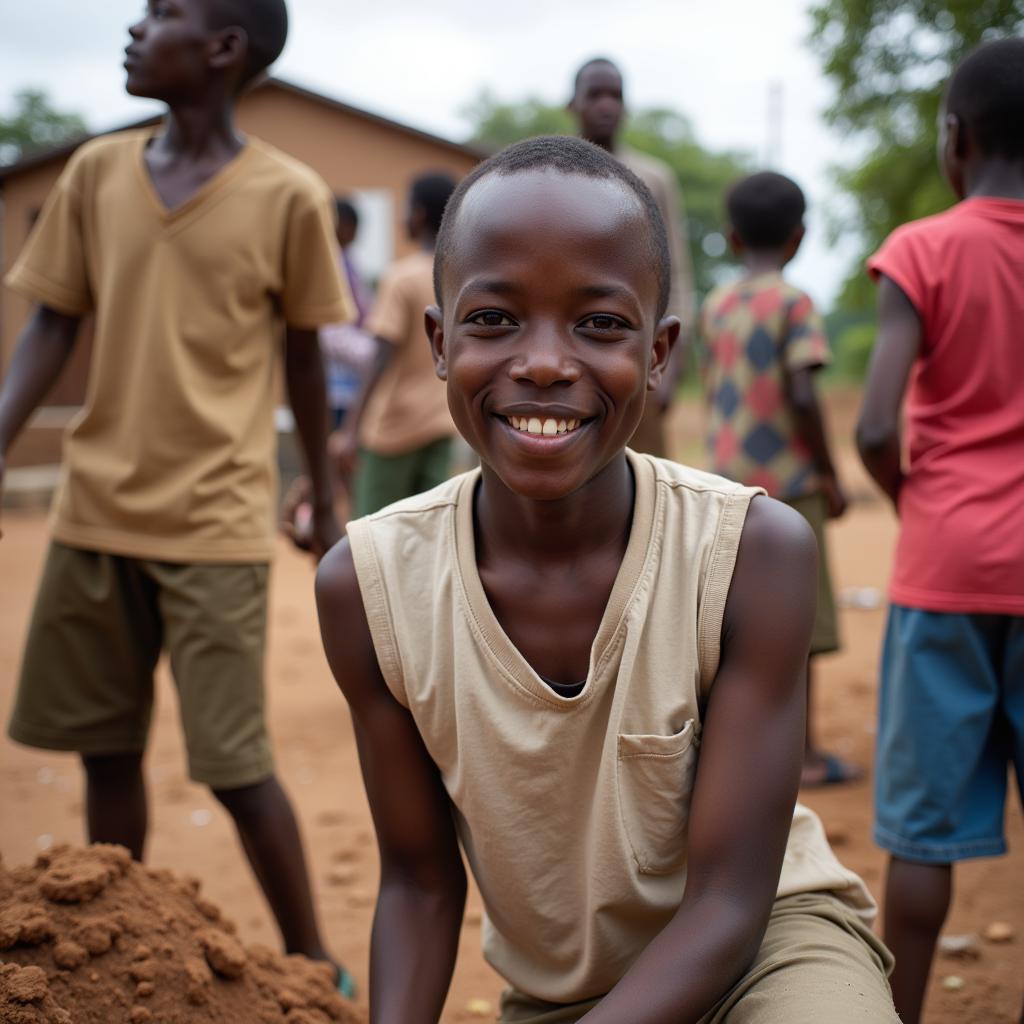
(343,448)
(835,501)
(308,528)
(324,534)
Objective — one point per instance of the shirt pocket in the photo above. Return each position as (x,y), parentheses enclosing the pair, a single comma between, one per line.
(654,777)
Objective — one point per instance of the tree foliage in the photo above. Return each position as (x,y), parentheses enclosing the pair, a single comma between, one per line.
(703,175)
(888,61)
(34,125)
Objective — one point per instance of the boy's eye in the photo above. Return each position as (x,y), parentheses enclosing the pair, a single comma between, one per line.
(490,318)
(603,322)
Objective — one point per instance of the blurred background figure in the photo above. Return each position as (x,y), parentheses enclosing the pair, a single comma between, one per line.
(598,106)
(397,436)
(348,350)
(765,343)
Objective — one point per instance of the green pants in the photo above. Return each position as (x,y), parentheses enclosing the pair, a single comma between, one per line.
(383,479)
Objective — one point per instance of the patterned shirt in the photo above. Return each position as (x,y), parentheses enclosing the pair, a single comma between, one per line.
(755,332)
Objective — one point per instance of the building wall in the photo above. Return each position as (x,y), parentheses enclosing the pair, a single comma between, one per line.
(350,152)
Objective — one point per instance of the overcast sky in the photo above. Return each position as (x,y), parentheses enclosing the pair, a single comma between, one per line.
(421,63)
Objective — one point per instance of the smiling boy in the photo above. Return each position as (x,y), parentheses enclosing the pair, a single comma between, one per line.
(196,249)
(537,655)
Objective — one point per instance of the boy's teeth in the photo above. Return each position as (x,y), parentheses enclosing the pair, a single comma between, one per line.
(545,427)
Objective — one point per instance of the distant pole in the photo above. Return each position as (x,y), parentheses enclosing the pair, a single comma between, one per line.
(773,126)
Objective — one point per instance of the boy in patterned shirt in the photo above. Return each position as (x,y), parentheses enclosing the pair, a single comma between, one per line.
(764,342)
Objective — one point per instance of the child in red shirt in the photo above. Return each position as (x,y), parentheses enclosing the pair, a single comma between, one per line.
(951,305)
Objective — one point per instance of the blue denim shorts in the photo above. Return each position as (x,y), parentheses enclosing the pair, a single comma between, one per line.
(950,725)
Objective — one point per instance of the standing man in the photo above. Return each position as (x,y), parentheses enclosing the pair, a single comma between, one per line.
(597,104)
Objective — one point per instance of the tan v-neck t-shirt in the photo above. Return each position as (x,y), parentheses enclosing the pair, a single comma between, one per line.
(409,406)
(172,456)
(572,811)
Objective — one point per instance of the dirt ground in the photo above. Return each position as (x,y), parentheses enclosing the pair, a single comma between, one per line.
(41,799)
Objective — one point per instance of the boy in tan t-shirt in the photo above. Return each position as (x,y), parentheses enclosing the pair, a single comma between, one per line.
(396,439)
(585,665)
(190,244)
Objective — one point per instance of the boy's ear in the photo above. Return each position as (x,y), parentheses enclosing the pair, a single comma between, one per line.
(735,242)
(956,137)
(794,242)
(229,48)
(665,337)
(433,320)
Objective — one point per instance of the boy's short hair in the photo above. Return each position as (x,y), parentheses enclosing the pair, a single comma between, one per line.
(566,155)
(765,209)
(346,211)
(587,65)
(431,192)
(266,27)
(986,92)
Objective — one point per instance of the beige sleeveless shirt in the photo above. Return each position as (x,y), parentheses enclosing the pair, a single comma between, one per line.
(572,811)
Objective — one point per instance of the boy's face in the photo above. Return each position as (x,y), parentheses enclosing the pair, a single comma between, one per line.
(598,104)
(171,49)
(549,340)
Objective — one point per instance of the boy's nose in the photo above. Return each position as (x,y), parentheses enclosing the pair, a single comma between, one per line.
(545,360)
(135,30)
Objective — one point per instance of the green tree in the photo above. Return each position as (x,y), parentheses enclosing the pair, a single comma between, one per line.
(888,61)
(703,175)
(35,125)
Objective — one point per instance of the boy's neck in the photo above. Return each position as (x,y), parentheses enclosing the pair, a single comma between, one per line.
(198,130)
(555,532)
(996,179)
(763,262)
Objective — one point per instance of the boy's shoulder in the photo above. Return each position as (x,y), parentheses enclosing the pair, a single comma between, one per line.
(283,170)
(963,222)
(430,504)
(678,476)
(103,151)
(415,268)
(765,294)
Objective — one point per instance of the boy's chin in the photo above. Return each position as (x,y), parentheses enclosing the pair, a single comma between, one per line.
(135,86)
(544,484)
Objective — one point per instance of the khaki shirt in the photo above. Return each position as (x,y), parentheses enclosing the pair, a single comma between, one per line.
(172,456)
(661,180)
(572,811)
(409,407)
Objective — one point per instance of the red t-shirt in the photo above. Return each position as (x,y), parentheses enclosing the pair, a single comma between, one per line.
(961,546)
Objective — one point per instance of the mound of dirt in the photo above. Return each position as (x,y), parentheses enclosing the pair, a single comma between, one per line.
(87,936)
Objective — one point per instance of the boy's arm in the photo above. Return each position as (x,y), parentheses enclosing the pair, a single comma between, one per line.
(746,786)
(423,884)
(344,442)
(43,349)
(878,426)
(307,395)
(810,424)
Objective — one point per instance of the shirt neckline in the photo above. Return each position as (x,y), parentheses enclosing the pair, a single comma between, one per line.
(197,199)
(631,571)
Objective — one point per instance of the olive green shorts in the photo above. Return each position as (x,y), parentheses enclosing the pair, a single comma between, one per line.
(825,637)
(819,963)
(381,480)
(97,630)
